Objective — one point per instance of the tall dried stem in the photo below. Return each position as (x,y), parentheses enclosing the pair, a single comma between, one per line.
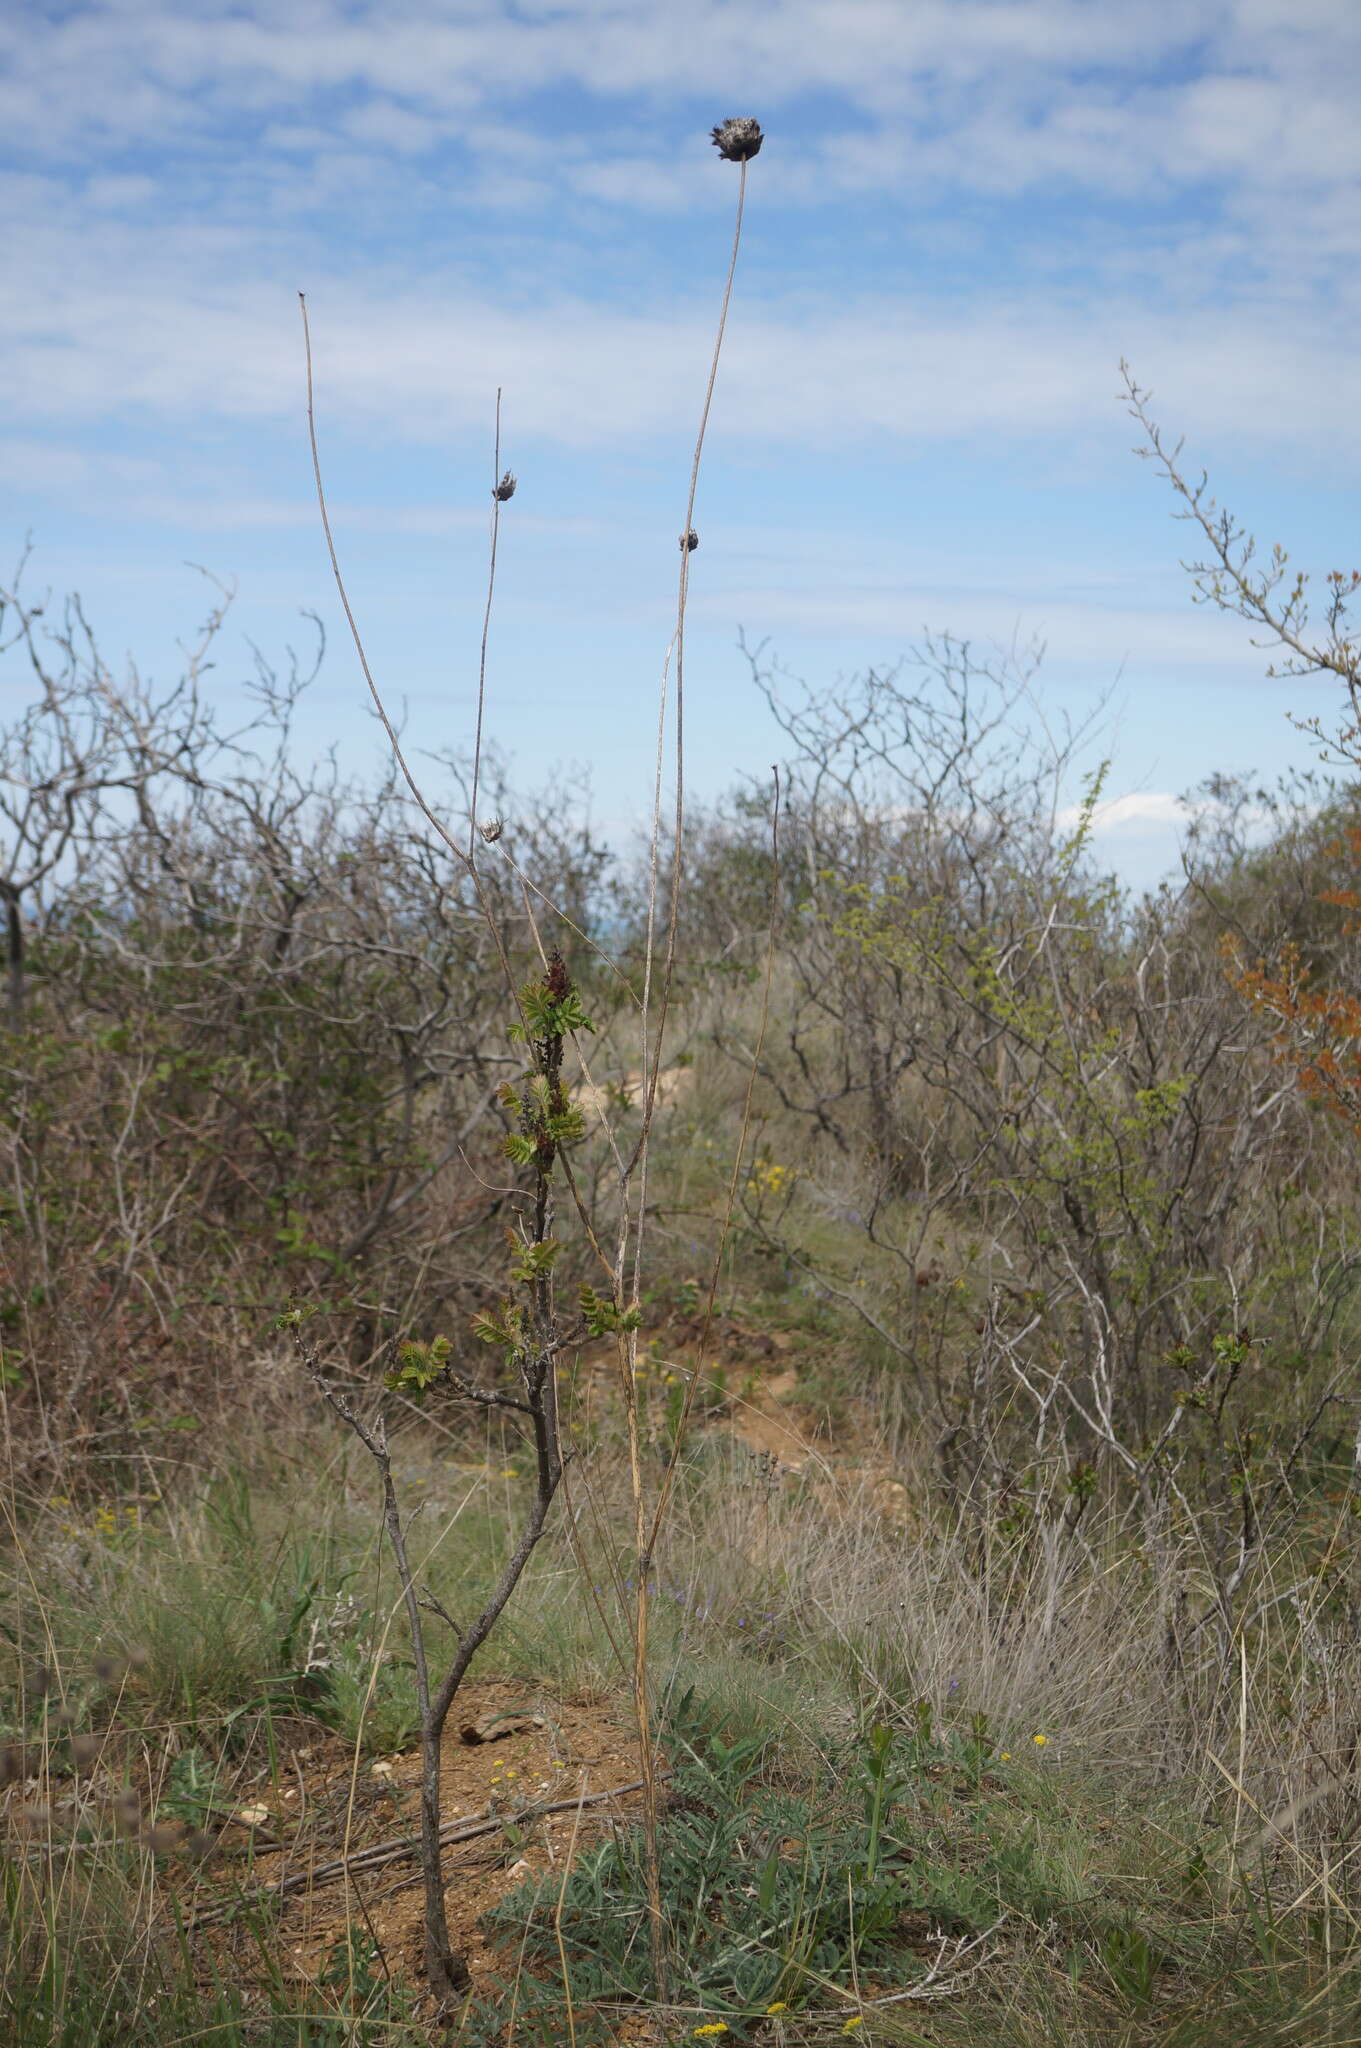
(633,1209)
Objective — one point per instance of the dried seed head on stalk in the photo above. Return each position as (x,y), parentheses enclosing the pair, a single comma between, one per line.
(491,830)
(127,1812)
(15,1764)
(690,541)
(505,489)
(738,138)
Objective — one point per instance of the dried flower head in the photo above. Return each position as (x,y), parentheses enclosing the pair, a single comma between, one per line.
(557,981)
(491,830)
(690,541)
(127,1812)
(505,490)
(738,138)
(14,1764)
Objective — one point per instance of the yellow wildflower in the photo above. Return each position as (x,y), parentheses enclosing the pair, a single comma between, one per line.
(714,2027)
(851,2026)
(780,2005)
(1039,1741)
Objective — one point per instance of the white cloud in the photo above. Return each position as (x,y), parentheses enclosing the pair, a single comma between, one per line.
(1154,813)
(119,192)
(298,141)
(295,142)
(991,97)
(391,126)
(1138,808)
(1102,638)
(501,192)
(176,323)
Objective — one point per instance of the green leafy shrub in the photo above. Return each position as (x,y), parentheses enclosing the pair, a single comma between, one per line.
(775,1895)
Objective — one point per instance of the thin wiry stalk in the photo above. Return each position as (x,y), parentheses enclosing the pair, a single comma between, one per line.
(652,1058)
(654,858)
(437,824)
(461,855)
(651,1070)
(652,1044)
(652,1054)
(668,1478)
(486,627)
(646,1540)
(629,1346)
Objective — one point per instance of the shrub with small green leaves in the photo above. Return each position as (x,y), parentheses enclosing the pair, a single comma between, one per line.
(774,1895)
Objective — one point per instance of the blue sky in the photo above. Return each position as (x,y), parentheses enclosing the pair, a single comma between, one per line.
(964,215)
